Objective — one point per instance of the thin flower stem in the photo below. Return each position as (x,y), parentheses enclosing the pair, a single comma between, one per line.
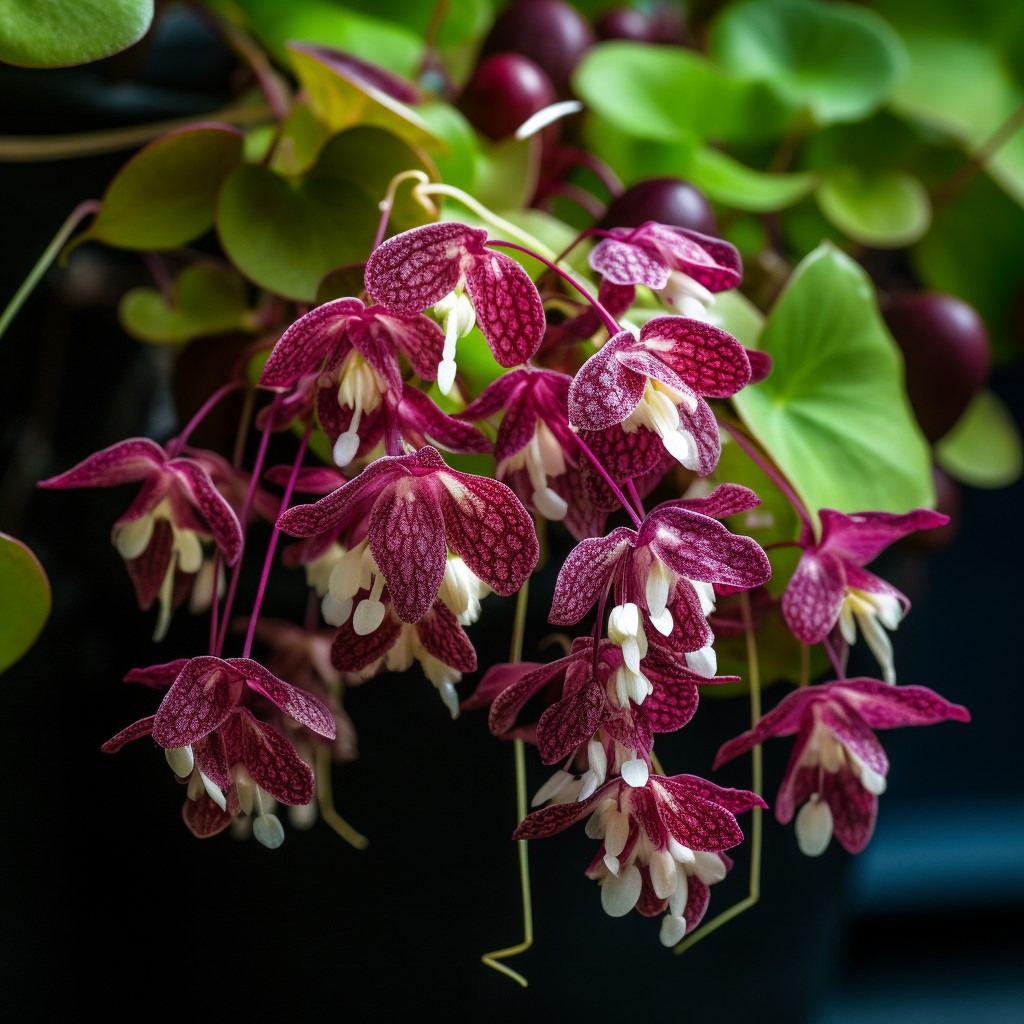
(757,784)
(771,472)
(637,500)
(79,213)
(637,521)
(325,801)
(387,204)
(610,323)
(175,446)
(493,959)
(275,533)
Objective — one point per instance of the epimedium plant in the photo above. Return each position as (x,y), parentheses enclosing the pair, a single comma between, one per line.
(486,349)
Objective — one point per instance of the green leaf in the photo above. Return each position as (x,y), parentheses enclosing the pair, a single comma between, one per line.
(458,147)
(165,195)
(24,600)
(984,447)
(888,210)
(342,102)
(834,413)
(966,66)
(837,60)
(727,181)
(285,234)
(63,33)
(325,22)
(207,300)
(672,93)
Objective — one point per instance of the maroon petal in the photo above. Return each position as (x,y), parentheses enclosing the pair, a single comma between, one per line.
(406,532)
(513,698)
(571,722)
(299,705)
(724,501)
(135,731)
(671,705)
(495,680)
(202,697)
(557,817)
(416,336)
(508,307)
(272,762)
(884,706)
(604,391)
(712,262)
(157,675)
(121,463)
(302,347)
(488,526)
(419,267)
(623,263)
(854,809)
(204,818)
(351,652)
(694,822)
(710,360)
(784,719)
(498,396)
(698,896)
(585,574)
(854,733)
(334,508)
(703,549)
(148,571)
(814,597)
(443,637)
(218,514)
(863,536)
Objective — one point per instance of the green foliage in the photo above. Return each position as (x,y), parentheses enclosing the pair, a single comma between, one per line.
(63,33)
(24,600)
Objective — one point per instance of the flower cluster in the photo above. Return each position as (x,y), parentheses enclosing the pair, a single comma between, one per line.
(609,431)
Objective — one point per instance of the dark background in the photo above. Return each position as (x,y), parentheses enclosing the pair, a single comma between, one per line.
(108,892)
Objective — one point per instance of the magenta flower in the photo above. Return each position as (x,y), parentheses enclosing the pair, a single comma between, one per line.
(213,739)
(838,769)
(433,264)
(352,352)
(659,381)
(161,534)
(684,265)
(598,692)
(668,568)
(662,842)
(418,509)
(830,587)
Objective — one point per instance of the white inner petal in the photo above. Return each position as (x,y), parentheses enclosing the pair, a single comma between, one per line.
(620,893)
(814,826)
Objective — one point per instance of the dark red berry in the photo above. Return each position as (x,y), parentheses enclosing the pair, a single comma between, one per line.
(626,23)
(666,200)
(504,90)
(550,32)
(947,354)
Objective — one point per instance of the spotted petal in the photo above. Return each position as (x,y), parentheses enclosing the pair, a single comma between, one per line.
(201,698)
(862,537)
(302,347)
(297,704)
(710,360)
(604,391)
(814,597)
(272,762)
(121,463)
(585,575)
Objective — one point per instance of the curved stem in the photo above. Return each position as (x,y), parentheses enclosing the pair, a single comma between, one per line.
(616,490)
(175,446)
(492,959)
(325,801)
(757,785)
(81,211)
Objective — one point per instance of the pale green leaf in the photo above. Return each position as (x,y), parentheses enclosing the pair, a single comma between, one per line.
(984,447)
(887,210)
(24,600)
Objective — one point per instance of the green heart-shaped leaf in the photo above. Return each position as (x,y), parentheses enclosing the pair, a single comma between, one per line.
(888,210)
(63,33)
(165,195)
(837,60)
(24,600)
(207,300)
(834,413)
(984,447)
(671,93)
(285,234)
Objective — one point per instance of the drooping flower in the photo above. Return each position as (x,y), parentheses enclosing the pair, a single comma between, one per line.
(212,738)
(162,533)
(662,841)
(351,351)
(831,587)
(433,264)
(838,769)
(668,568)
(687,267)
(416,510)
(659,381)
